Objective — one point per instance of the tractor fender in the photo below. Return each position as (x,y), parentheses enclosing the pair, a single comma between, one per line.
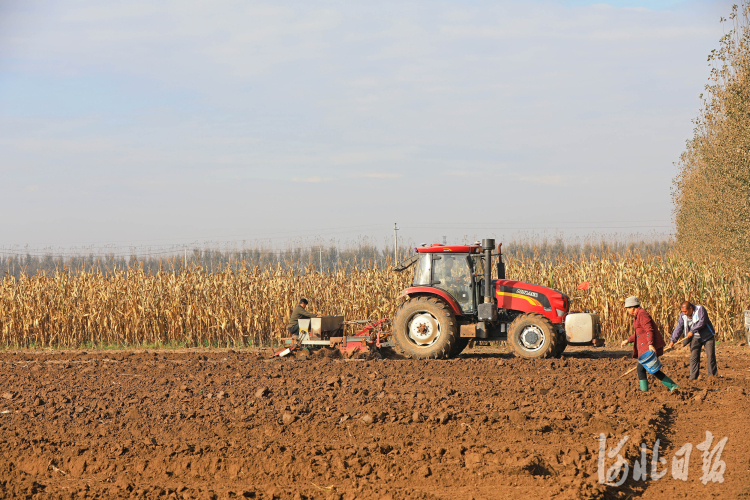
(429,291)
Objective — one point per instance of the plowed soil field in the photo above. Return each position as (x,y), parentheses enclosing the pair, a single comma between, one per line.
(226,424)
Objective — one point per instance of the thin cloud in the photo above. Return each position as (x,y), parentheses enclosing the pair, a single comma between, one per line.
(382,175)
(308,179)
(550,180)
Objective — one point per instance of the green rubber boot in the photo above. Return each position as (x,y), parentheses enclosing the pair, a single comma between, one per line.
(643,384)
(669,384)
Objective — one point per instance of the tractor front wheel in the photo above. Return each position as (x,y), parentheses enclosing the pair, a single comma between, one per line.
(425,328)
(533,336)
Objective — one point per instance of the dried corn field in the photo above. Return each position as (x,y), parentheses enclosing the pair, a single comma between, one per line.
(661,283)
(251,306)
(191,308)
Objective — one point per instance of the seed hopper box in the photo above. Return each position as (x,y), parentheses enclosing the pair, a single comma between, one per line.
(328,331)
(324,326)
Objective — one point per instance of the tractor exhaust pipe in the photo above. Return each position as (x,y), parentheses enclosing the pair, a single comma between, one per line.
(487,312)
(500,263)
(488,246)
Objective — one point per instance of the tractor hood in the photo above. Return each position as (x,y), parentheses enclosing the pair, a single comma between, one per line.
(527,297)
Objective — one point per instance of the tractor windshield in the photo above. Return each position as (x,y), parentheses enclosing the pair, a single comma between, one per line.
(451,272)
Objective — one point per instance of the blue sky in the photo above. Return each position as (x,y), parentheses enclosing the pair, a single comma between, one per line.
(159,123)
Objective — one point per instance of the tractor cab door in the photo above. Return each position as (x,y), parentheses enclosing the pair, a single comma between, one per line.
(452,273)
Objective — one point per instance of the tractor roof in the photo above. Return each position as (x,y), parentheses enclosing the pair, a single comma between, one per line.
(438,248)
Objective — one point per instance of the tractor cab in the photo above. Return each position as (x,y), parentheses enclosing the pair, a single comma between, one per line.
(452,269)
(450,272)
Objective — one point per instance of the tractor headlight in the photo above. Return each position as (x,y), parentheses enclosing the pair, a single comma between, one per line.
(560,313)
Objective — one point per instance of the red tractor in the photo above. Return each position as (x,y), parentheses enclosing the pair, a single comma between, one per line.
(453,299)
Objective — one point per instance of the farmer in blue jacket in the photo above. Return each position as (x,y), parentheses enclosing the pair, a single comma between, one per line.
(694,322)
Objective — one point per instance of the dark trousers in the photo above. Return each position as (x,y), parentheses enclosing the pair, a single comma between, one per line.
(293,330)
(642,373)
(695,356)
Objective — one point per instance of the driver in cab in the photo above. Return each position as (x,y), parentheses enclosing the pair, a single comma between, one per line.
(452,279)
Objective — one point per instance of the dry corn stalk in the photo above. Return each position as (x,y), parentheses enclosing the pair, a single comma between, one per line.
(251,306)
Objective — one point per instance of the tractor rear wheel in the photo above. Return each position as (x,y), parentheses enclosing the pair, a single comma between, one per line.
(533,336)
(425,328)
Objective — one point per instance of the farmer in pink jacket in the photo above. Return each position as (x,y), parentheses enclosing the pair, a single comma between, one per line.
(646,338)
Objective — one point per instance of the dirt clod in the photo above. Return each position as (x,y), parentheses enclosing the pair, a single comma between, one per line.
(424,471)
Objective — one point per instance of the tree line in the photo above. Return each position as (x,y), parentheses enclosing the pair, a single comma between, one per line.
(321,258)
(711,192)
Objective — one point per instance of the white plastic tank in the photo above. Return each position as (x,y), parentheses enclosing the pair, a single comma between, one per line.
(582,327)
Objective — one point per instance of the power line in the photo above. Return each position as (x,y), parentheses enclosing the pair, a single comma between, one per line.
(245,236)
(327,231)
(533,227)
(140,251)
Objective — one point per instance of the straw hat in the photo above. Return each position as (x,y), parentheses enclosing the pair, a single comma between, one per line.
(632,302)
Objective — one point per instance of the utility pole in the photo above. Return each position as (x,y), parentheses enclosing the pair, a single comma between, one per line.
(320,256)
(185,248)
(395,243)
